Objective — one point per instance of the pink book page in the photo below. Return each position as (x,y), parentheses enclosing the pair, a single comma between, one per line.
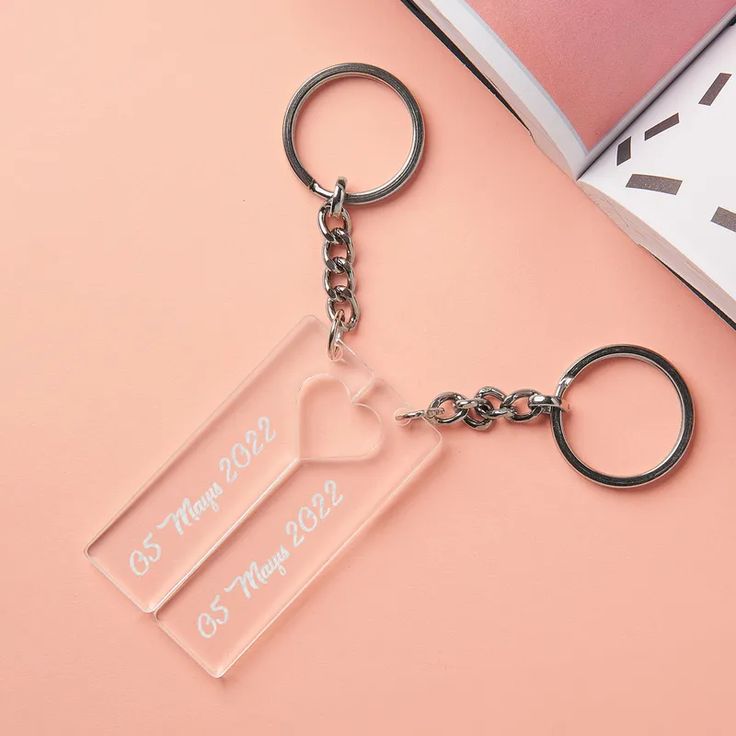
(598,59)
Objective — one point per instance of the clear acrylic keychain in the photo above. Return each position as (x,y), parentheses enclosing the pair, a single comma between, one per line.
(306,452)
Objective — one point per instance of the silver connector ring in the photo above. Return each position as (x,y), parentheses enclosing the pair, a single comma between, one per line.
(686,424)
(435,411)
(354,70)
(337,331)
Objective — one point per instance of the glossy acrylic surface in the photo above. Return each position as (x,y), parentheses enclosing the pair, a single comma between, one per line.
(219,474)
(354,457)
(262,497)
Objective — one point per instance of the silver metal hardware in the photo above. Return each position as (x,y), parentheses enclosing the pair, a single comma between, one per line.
(339,276)
(686,423)
(334,346)
(354,70)
(489,403)
(337,200)
(479,412)
(511,401)
(436,411)
(338,252)
(547,402)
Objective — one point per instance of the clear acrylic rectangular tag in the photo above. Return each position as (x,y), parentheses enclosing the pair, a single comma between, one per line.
(353,457)
(262,497)
(230,463)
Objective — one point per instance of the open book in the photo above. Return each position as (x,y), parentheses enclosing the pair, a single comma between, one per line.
(635,101)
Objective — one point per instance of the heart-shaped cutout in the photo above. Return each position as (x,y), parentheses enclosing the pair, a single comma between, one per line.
(331,425)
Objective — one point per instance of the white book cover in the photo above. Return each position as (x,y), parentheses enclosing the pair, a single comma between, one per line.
(636,102)
(670,179)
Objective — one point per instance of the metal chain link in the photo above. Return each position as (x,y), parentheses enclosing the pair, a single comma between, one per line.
(479,412)
(338,255)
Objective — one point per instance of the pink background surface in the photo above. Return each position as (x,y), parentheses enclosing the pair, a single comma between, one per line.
(155,245)
(597,59)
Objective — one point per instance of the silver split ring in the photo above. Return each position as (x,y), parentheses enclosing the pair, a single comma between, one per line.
(686,424)
(354,70)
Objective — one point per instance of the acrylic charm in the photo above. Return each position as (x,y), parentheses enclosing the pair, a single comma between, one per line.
(267,492)
(223,470)
(354,459)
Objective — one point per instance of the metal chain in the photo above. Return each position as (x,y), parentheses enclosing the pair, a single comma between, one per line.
(338,254)
(479,412)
